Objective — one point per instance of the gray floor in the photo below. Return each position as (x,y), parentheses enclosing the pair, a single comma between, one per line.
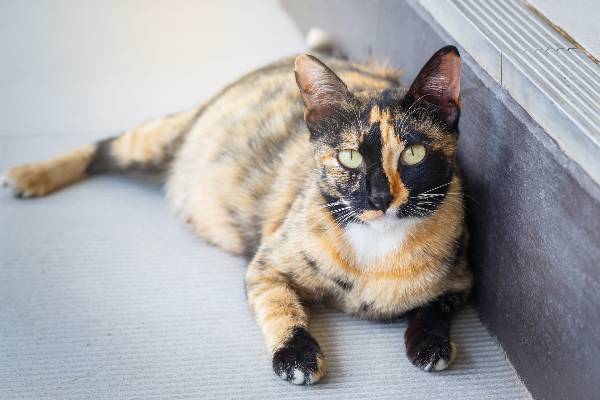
(103,294)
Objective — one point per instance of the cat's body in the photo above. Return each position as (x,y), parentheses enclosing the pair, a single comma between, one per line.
(248,176)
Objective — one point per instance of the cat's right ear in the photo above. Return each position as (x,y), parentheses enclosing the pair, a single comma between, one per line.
(322,91)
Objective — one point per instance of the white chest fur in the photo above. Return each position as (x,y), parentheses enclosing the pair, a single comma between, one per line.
(376,239)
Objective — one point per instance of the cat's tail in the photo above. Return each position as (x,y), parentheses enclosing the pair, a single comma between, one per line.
(318,41)
(149,147)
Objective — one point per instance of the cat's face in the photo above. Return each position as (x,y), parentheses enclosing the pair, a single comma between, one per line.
(383,156)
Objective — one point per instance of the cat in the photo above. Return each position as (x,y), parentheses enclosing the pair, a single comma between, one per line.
(339,188)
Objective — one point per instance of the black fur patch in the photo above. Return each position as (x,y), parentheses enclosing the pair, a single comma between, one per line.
(428,334)
(102,160)
(248,230)
(425,350)
(365,307)
(299,353)
(375,180)
(312,264)
(344,284)
(337,212)
(429,179)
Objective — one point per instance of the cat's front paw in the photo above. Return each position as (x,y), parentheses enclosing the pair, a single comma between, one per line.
(299,360)
(430,352)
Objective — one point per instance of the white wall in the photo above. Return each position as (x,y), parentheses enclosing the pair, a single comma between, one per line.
(95,68)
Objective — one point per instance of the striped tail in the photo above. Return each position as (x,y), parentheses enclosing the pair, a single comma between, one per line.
(149,147)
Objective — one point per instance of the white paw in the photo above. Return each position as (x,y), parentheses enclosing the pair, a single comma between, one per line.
(431,353)
(440,365)
(299,360)
(298,377)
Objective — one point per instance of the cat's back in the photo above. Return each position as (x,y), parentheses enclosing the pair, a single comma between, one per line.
(250,142)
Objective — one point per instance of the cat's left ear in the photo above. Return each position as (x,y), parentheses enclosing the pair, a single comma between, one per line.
(322,91)
(438,83)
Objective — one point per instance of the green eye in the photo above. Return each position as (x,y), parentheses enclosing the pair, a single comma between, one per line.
(350,158)
(413,154)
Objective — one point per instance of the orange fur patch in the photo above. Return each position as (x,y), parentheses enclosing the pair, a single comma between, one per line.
(391,149)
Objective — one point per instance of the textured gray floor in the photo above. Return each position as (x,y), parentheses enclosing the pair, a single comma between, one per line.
(103,294)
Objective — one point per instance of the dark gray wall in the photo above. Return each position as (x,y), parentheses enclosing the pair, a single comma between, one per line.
(534,215)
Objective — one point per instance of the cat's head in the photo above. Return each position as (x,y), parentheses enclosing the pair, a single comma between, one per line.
(383,155)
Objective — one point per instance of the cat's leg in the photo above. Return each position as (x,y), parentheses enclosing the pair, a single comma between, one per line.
(428,343)
(283,318)
(147,147)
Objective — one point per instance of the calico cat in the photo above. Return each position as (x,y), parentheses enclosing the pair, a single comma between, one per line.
(338,187)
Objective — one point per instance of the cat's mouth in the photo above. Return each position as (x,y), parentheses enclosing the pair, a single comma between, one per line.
(379,219)
(384,222)
(389,218)
(370,215)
